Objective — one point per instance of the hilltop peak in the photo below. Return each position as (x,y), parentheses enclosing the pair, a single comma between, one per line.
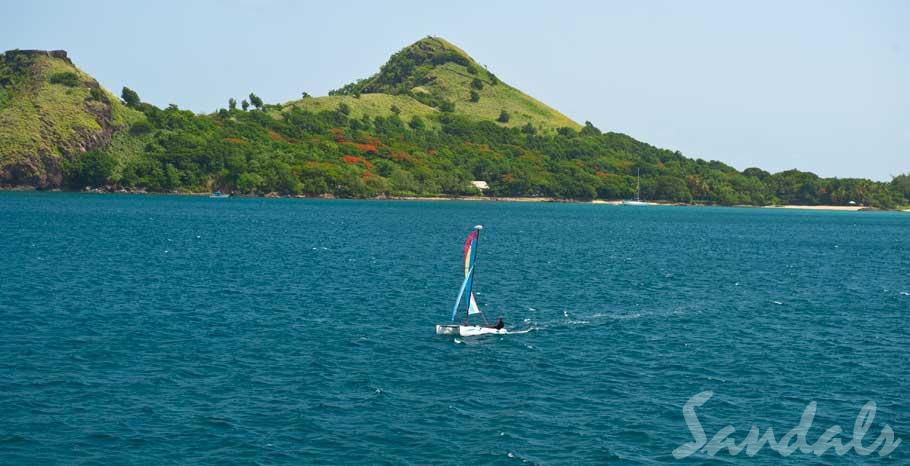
(437,50)
(410,67)
(440,76)
(11,54)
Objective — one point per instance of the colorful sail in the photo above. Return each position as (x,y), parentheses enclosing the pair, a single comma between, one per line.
(470,253)
(460,294)
(470,245)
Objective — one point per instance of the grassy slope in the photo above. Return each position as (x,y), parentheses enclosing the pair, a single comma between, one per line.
(368,104)
(453,81)
(38,117)
(450,81)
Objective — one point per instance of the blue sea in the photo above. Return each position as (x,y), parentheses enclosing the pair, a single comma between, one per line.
(188,330)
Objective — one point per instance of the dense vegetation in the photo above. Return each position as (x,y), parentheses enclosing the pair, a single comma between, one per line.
(430,122)
(329,152)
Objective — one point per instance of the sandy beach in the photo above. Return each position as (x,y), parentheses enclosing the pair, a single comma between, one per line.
(843,208)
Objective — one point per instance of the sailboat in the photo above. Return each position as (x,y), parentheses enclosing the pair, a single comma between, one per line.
(466,329)
(637,200)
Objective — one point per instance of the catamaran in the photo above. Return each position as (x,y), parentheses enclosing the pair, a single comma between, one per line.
(466,329)
(637,200)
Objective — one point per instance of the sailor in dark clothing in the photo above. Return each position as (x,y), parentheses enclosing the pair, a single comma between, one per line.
(499,324)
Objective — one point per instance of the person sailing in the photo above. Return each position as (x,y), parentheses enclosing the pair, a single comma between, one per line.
(499,324)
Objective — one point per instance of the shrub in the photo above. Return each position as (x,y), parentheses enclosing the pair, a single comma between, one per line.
(67,78)
(97,94)
(92,168)
(477,84)
(504,117)
(140,127)
(475,97)
(417,123)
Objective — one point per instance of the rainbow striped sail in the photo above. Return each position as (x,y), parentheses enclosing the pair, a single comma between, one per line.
(470,255)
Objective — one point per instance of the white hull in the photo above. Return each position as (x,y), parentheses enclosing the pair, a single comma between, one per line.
(468,330)
(627,202)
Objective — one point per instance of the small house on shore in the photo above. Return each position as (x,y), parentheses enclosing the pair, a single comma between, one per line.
(480,185)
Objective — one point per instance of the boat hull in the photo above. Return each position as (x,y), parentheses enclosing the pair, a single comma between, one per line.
(627,202)
(468,330)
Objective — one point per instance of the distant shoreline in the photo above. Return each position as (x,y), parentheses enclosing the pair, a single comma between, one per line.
(832,208)
(841,208)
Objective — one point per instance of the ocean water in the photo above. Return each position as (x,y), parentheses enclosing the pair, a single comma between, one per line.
(183,330)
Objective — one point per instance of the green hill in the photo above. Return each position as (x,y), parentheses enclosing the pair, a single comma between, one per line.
(429,123)
(442,77)
(50,111)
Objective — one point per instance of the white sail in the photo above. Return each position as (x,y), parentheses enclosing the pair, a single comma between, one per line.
(472,306)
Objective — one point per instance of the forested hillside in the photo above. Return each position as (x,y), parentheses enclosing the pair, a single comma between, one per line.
(427,124)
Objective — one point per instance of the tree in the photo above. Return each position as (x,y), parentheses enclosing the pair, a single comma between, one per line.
(305,95)
(232,104)
(901,184)
(249,182)
(417,123)
(447,106)
(255,100)
(671,189)
(756,173)
(140,127)
(394,108)
(245,105)
(566,131)
(475,97)
(504,117)
(130,97)
(590,130)
(343,109)
(93,168)
(529,129)
(477,84)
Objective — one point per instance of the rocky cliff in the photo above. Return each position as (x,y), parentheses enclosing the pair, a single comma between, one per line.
(50,111)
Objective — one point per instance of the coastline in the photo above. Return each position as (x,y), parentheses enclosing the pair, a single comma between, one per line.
(837,208)
(612,202)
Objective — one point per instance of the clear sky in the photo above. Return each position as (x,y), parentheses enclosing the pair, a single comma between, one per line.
(815,85)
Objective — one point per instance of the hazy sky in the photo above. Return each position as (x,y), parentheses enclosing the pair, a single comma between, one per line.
(821,86)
